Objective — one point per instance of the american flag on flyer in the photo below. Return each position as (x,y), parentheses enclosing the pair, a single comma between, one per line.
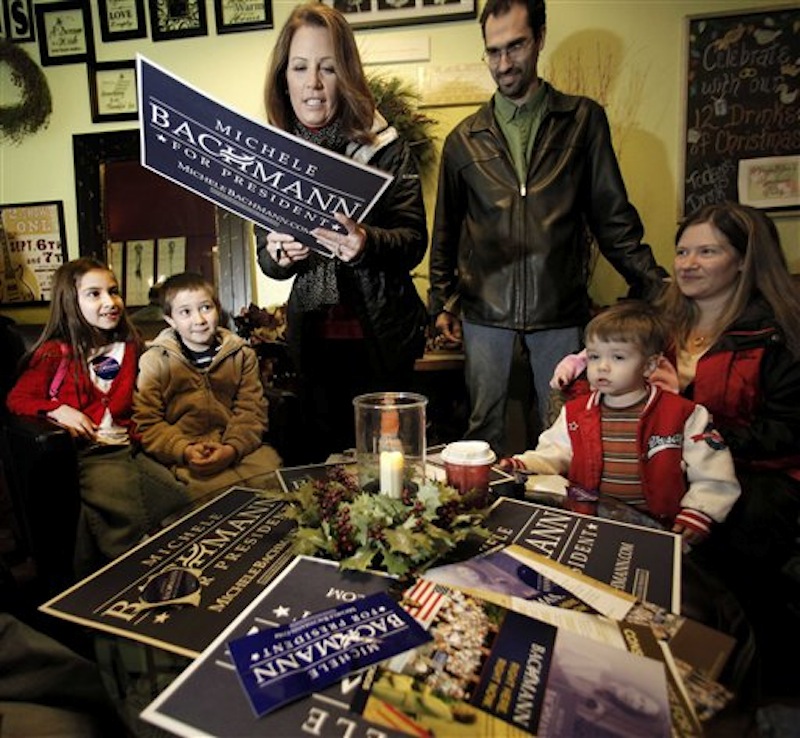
(422,600)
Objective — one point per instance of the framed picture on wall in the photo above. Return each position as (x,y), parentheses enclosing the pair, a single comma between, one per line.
(115,252)
(770,182)
(384,13)
(233,15)
(16,20)
(139,271)
(121,19)
(64,30)
(170,257)
(33,243)
(112,91)
(172,19)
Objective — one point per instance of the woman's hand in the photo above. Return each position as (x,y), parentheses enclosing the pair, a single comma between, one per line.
(665,376)
(77,423)
(284,250)
(344,246)
(568,369)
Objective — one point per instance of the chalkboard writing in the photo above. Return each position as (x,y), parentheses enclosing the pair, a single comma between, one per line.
(743,103)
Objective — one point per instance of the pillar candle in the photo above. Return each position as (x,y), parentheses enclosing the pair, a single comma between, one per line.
(391,473)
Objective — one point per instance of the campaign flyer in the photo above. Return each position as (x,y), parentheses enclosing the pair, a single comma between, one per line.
(278,665)
(294,477)
(208,699)
(644,562)
(493,672)
(252,169)
(180,588)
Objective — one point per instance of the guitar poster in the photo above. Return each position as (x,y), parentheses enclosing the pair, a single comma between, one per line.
(33,246)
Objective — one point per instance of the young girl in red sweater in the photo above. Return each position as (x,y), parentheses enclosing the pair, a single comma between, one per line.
(80,374)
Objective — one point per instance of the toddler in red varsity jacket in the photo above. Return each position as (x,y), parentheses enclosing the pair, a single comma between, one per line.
(632,441)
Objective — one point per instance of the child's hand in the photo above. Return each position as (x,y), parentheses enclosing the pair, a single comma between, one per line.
(509,464)
(77,423)
(195,453)
(689,536)
(216,458)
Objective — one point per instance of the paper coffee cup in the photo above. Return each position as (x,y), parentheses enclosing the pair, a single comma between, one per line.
(467,465)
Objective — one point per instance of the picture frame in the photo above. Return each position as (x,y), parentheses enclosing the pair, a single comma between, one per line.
(112,91)
(173,19)
(64,32)
(387,13)
(771,182)
(33,243)
(139,271)
(233,16)
(170,257)
(121,19)
(17,20)
(115,251)
(451,85)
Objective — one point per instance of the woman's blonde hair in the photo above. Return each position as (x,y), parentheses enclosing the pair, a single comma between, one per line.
(764,272)
(357,107)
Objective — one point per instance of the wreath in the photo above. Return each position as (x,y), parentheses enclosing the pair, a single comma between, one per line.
(33,111)
(367,530)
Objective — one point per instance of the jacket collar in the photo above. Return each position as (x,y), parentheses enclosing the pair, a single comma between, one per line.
(384,135)
(595,398)
(557,103)
(167,341)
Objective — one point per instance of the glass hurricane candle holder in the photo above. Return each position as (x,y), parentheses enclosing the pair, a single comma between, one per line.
(390,441)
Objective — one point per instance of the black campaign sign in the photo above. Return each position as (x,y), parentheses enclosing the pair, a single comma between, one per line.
(743,99)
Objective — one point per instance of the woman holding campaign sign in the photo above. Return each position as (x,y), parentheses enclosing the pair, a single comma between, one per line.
(355,320)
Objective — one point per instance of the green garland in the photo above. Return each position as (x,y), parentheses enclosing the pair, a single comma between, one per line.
(367,530)
(33,112)
(398,102)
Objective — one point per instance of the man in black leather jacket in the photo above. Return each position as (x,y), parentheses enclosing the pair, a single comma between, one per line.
(526,184)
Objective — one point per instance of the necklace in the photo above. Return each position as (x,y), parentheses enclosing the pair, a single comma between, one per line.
(697,343)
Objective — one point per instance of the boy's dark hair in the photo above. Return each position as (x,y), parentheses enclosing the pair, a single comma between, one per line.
(537,14)
(189,281)
(630,321)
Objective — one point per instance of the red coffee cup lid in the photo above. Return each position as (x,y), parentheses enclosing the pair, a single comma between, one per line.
(468,453)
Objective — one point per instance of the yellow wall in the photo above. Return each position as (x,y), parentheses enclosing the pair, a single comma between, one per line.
(643,41)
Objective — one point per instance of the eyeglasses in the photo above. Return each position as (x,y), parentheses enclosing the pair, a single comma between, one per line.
(514,52)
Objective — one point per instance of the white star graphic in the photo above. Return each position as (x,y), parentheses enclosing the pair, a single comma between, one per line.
(281,611)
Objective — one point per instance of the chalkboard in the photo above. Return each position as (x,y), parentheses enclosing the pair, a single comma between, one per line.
(743,109)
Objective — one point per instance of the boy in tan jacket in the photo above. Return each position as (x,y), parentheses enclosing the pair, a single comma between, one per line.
(199,405)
